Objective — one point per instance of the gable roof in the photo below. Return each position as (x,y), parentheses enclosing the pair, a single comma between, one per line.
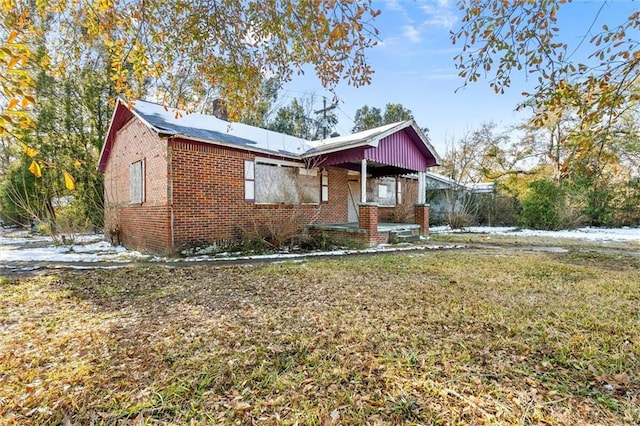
(170,122)
(373,137)
(369,137)
(200,127)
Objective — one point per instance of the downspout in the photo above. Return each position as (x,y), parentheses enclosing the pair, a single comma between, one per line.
(170,191)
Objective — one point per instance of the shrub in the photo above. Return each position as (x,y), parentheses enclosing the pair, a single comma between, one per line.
(21,198)
(541,205)
(459,219)
(627,199)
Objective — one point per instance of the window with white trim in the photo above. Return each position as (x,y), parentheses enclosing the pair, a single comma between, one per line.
(324,183)
(249,180)
(136,182)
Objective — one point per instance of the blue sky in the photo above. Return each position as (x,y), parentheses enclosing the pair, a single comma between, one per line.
(414,66)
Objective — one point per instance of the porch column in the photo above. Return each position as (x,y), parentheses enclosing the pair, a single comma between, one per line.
(421,213)
(368,221)
(421,187)
(363,181)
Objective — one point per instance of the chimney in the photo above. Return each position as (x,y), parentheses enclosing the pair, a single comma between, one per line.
(220,110)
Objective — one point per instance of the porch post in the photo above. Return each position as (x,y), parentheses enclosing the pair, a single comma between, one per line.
(421,187)
(421,213)
(363,181)
(368,221)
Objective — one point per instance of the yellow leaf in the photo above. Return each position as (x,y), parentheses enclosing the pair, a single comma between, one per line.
(77,163)
(12,103)
(29,151)
(12,62)
(69,181)
(12,36)
(35,169)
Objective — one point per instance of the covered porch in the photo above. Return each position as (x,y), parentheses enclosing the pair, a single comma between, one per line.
(394,150)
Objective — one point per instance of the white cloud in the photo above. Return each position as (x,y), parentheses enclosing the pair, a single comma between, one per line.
(411,33)
(441,13)
(441,76)
(393,5)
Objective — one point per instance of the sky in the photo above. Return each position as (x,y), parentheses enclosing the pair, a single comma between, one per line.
(414,66)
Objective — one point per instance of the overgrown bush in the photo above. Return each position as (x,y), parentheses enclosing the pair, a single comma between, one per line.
(25,198)
(595,198)
(463,208)
(20,197)
(71,221)
(540,205)
(403,213)
(276,231)
(495,210)
(505,211)
(627,200)
(546,205)
(459,219)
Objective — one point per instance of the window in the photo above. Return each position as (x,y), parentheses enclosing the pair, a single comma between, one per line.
(249,180)
(136,182)
(382,191)
(280,182)
(324,196)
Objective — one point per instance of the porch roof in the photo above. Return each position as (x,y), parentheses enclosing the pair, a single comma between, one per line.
(397,148)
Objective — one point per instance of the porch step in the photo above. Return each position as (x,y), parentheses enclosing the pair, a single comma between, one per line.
(404,235)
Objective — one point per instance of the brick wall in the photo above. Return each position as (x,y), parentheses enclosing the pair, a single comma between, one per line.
(209,202)
(143,226)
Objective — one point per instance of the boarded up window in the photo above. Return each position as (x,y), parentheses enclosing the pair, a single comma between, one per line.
(382,191)
(136,182)
(249,180)
(284,184)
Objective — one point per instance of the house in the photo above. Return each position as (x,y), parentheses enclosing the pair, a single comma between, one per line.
(174,181)
(448,197)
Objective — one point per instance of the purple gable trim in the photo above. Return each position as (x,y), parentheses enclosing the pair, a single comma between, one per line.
(341,157)
(403,150)
(400,150)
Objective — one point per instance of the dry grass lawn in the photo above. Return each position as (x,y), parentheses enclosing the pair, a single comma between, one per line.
(448,337)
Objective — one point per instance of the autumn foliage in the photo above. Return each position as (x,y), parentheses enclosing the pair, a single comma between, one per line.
(229,46)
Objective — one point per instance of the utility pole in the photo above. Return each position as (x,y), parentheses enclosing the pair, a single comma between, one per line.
(324,110)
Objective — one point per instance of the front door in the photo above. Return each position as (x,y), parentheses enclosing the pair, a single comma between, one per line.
(354,200)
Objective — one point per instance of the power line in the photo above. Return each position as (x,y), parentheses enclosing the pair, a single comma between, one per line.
(323,111)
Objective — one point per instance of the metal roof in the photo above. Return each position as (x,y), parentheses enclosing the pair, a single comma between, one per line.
(173,122)
(206,128)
